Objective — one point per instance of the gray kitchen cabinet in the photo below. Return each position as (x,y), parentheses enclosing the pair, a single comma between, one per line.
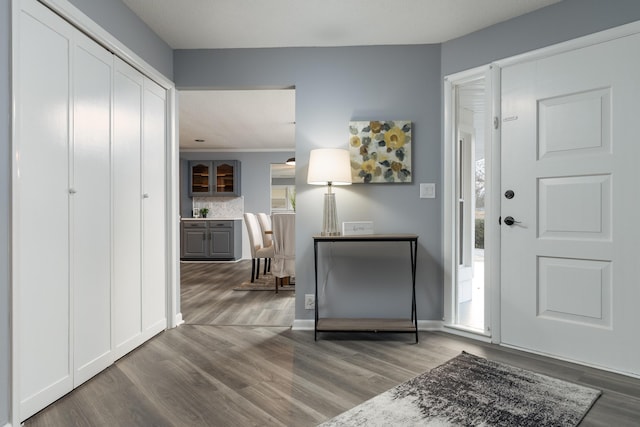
(209,178)
(194,239)
(200,178)
(227,178)
(211,240)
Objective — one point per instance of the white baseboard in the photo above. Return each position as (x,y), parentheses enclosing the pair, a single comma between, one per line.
(303,325)
(430,325)
(465,333)
(8,425)
(179,321)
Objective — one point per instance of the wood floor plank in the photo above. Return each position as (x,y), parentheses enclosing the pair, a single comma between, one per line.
(238,363)
(208,298)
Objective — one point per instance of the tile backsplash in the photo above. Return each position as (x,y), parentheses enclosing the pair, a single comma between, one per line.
(221,207)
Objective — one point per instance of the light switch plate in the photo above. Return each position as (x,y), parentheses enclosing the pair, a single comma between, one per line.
(428,191)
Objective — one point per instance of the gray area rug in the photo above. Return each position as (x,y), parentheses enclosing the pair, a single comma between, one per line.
(472,391)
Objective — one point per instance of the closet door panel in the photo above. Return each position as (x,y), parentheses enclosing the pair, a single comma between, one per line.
(42,209)
(91,208)
(127,195)
(153,210)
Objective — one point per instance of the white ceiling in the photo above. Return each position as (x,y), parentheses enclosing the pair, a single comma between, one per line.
(237,120)
(263,120)
(221,24)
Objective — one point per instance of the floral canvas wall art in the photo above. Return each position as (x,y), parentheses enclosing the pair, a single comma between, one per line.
(380,151)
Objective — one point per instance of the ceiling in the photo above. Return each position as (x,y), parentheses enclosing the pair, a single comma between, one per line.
(222,24)
(264,120)
(237,120)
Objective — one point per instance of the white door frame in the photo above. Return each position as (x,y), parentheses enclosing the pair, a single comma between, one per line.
(81,21)
(449,165)
(491,73)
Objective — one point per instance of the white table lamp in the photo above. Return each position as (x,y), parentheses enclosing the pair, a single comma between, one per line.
(329,166)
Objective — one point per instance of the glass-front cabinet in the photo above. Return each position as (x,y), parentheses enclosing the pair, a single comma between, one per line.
(214,178)
(200,178)
(227,177)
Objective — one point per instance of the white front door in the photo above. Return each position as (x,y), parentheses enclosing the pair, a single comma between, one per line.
(571,155)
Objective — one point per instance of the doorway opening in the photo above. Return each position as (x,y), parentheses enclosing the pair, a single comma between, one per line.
(283,187)
(256,129)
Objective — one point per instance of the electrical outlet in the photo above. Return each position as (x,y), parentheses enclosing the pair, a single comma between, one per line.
(309,301)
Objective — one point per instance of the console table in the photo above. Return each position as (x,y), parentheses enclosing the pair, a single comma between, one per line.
(408,325)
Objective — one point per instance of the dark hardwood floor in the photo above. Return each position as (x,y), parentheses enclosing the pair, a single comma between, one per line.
(238,363)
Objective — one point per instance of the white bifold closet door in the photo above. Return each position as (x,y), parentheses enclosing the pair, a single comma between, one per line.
(154,184)
(63,238)
(127,208)
(139,281)
(89,208)
(41,210)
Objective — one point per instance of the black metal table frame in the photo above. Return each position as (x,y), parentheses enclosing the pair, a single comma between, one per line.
(413,249)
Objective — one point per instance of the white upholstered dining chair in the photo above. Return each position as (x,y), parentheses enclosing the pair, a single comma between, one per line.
(284,244)
(267,236)
(265,225)
(258,250)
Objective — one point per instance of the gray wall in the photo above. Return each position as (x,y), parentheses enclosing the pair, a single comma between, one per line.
(5,203)
(116,18)
(334,86)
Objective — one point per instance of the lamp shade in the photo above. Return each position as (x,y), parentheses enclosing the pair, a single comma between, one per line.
(329,165)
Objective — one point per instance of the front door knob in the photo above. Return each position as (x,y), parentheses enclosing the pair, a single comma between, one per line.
(510,221)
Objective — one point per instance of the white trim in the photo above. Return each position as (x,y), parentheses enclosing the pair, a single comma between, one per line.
(303,325)
(430,325)
(448,202)
(466,76)
(493,210)
(178,320)
(489,73)
(172,201)
(14,401)
(7,425)
(466,332)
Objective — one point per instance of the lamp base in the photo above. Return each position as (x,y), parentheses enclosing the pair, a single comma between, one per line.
(330,216)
